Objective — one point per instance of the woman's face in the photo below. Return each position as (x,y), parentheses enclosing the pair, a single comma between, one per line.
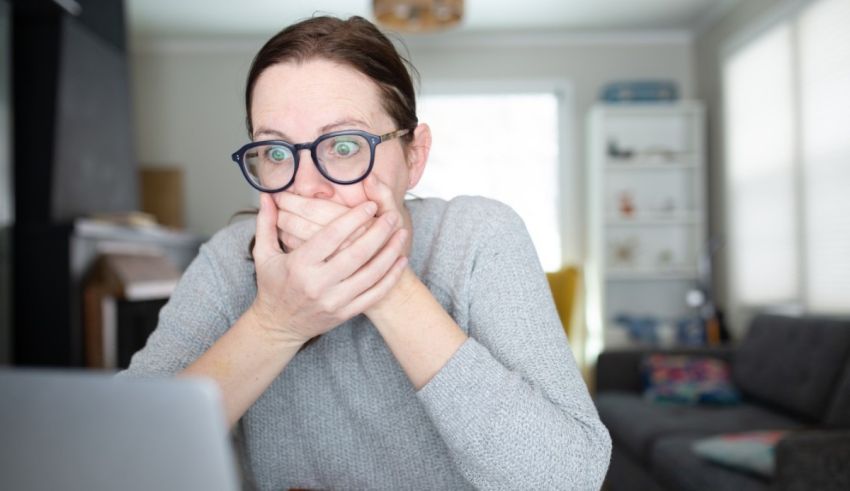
(298,102)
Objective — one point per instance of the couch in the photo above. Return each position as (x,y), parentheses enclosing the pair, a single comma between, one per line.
(792,373)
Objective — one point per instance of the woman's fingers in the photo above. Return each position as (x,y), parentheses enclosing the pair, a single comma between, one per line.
(346,261)
(380,193)
(373,295)
(299,219)
(266,245)
(290,242)
(378,266)
(316,210)
(295,229)
(329,239)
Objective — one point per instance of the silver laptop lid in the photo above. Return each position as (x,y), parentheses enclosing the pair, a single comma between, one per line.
(86,431)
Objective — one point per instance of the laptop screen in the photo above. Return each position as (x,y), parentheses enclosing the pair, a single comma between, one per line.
(81,430)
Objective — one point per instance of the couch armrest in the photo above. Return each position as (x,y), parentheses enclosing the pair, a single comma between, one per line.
(620,369)
(813,460)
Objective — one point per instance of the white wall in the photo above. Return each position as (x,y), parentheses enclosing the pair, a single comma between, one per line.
(189,110)
(189,114)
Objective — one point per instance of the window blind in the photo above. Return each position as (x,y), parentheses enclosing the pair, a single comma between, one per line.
(824,81)
(759,134)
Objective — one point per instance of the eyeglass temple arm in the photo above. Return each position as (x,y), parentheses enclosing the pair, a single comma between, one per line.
(395,134)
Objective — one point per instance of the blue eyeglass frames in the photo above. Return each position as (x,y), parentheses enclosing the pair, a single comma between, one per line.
(341,157)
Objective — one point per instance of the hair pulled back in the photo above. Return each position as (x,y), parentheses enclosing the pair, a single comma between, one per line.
(354,42)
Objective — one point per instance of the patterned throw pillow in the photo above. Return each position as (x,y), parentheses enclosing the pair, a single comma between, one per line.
(687,380)
(750,452)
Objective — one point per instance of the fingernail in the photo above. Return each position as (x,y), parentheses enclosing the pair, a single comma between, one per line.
(371,207)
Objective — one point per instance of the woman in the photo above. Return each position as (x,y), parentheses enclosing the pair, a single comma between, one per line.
(372,342)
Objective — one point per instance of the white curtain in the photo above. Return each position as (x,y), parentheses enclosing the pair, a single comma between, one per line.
(760,170)
(824,60)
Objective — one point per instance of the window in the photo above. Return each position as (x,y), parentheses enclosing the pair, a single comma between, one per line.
(824,54)
(502,146)
(787,111)
(760,160)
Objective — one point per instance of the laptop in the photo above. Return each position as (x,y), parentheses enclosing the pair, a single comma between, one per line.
(92,431)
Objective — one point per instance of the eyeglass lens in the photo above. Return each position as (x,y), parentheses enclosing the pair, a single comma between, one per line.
(343,158)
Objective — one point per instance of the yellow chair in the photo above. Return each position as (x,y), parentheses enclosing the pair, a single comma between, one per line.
(564,284)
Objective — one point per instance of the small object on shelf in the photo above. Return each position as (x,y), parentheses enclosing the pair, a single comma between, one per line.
(666,334)
(624,252)
(691,331)
(695,298)
(615,152)
(659,154)
(627,204)
(665,258)
(641,329)
(640,91)
(668,207)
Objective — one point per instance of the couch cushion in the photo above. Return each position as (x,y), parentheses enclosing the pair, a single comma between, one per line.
(636,424)
(838,414)
(676,466)
(793,363)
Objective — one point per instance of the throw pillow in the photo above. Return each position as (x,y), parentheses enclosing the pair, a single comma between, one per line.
(687,380)
(749,452)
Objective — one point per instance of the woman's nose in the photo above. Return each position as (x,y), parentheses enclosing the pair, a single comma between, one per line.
(309,182)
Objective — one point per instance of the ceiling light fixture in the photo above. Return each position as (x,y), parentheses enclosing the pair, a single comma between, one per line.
(418,16)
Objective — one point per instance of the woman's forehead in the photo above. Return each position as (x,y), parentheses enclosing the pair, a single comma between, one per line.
(312,95)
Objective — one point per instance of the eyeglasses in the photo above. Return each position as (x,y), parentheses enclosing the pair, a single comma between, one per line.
(342,157)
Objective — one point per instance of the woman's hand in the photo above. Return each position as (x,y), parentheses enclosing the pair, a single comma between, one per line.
(300,218)
(319,285)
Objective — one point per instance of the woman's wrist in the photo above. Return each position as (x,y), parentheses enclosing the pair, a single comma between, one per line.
(273,330)
(399,300)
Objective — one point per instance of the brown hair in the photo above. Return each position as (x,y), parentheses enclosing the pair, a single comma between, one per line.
(354,42)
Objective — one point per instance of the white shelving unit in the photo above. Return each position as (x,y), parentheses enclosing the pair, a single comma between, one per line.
(647,217)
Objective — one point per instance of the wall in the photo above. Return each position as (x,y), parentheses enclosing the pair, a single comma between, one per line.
(739,23)
(188,101)
(188,111)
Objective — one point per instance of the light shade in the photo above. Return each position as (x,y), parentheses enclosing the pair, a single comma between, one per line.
(418,15)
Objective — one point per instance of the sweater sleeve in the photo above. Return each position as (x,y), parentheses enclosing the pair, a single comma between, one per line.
(511,404)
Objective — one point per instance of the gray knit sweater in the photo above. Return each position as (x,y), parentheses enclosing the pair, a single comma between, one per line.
(508,411)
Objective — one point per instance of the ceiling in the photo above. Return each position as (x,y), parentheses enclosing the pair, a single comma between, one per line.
(189,19)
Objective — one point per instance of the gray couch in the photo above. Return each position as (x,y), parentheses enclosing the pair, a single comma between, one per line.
(793,373)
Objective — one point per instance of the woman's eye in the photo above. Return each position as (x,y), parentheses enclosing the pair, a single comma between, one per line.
(278,154)
(345,148)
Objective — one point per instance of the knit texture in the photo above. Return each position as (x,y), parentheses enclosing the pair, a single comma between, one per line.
(508,411)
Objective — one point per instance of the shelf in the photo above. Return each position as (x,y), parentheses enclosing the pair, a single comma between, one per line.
(639,166)
(652,163)
(653,220)
(651,274)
